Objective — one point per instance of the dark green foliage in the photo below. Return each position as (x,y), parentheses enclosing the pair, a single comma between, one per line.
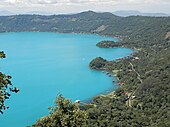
(151,105)
(107,44)
(2,54)
(85,22)
(146,74)
(98,63)
(5,87)
(65,114)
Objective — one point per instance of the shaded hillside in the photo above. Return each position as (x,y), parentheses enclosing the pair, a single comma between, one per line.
(82,22)
(135,27)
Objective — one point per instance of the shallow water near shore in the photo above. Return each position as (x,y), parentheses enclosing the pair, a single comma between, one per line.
(44,65)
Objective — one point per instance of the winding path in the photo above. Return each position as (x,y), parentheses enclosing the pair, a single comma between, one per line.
(132,94)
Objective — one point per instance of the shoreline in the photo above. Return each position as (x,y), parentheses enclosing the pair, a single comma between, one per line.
(114,36)
(111,74)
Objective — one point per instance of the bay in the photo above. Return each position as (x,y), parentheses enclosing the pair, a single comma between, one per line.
(44,65)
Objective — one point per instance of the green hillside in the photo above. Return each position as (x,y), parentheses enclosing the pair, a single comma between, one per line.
(143,98)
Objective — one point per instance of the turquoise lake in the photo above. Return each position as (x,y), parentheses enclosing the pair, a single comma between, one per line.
(44,65)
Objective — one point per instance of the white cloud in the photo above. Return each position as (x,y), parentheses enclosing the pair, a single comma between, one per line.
(80,1)
(67,1)
(66,6)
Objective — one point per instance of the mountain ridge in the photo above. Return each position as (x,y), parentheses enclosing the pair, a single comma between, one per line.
(126,13)
(122,13)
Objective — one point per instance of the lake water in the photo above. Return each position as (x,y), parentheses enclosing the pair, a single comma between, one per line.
(44,65)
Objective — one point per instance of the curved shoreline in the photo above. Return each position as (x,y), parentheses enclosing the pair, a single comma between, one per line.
(117,37)
(107,92)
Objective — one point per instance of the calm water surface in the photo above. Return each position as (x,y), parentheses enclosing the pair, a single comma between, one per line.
(44,65)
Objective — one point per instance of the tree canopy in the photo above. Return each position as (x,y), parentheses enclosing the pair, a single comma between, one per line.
(65,114)
(6,87)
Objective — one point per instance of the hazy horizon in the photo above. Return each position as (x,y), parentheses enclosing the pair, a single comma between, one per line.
(6,12)
(75,6)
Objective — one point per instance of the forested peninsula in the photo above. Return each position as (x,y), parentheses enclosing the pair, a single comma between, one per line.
(143,98)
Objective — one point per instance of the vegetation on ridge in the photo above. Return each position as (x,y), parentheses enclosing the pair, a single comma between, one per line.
(143,99)
(107,44)
(98,63)
(66,114)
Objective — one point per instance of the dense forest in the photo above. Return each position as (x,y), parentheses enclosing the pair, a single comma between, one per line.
(143,99)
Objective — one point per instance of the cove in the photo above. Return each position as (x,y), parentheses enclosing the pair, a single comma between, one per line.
(44,65)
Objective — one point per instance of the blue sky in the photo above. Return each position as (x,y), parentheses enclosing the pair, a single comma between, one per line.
(72,6)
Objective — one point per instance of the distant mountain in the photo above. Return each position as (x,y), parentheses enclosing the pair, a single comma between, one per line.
(39,13)
(8,13)
(122,13)
(5,13)
(85,22)
(95,14)
(125,13)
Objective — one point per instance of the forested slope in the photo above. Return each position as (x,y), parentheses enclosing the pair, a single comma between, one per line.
(144,77)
